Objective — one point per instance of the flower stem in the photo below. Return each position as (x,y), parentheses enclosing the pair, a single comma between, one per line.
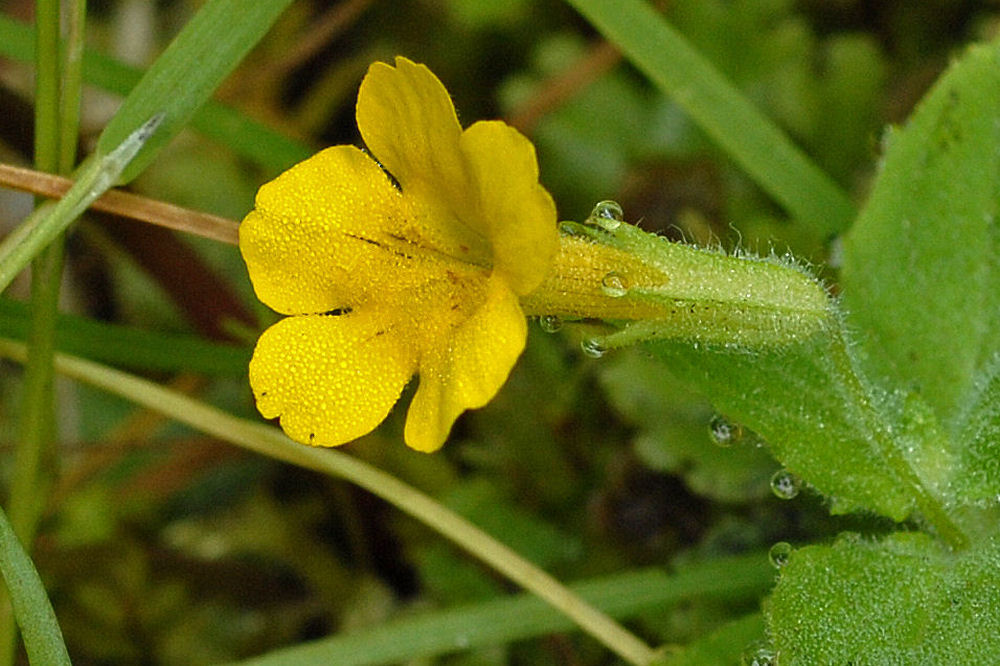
(269,441)
(57,102)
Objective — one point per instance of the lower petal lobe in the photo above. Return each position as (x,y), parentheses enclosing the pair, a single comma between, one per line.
(329,378)
(466,370)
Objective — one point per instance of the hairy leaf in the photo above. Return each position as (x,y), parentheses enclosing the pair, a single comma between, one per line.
(902,600)
(920,273)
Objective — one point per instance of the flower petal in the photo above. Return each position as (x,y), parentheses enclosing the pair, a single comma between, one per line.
(467,370)
(330,379)
(311,244)
(520,214)
(407,120)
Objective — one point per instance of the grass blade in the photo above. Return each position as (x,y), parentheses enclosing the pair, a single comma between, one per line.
(749,137)
(42,637)
(248,138)
(188,72)
(271,442)
(140,350)
(520,617)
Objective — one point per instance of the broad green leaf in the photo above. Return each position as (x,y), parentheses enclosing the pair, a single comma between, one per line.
(978,478)
(823,423)
(185,75)
(903,600)
(920,277)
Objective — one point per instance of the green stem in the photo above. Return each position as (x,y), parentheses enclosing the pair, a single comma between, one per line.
(72,85)
(269,441)
(746,134)
(37,418)
(47,83)
(930,507)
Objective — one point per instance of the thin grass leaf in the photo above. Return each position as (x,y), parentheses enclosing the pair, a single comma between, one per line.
(133,348)
(749,137)
(246,137)
(188,72)
(94,177)
(521,617)
(42,637)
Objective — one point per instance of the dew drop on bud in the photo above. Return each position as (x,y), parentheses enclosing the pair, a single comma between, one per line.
(550,323)
(785,485)
(779,554)
(724,432)
(593,348)
(607,215)
(614,285)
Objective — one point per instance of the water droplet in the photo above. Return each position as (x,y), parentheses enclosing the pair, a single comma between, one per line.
(569,229)
(593,348)
(614,284)
(550,323)
(785,485)
(758,653)
(723,431)
(607,215)
(779,554)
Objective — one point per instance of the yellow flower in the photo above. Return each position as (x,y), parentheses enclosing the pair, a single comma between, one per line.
(387,277)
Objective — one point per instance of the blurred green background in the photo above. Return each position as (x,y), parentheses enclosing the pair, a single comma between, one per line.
(162,546)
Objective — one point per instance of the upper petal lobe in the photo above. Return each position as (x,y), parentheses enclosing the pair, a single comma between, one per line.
(310,244)
(520,214)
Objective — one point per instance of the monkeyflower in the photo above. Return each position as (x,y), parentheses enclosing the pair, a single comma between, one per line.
(410,265)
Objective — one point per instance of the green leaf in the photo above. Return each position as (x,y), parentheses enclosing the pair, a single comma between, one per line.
(797,398)
(978,478)
(519,617)
(920,275)
(752,140)
(903,600)
(42,637)
(187,73)
(824,423)
(761,339)
(132,348)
